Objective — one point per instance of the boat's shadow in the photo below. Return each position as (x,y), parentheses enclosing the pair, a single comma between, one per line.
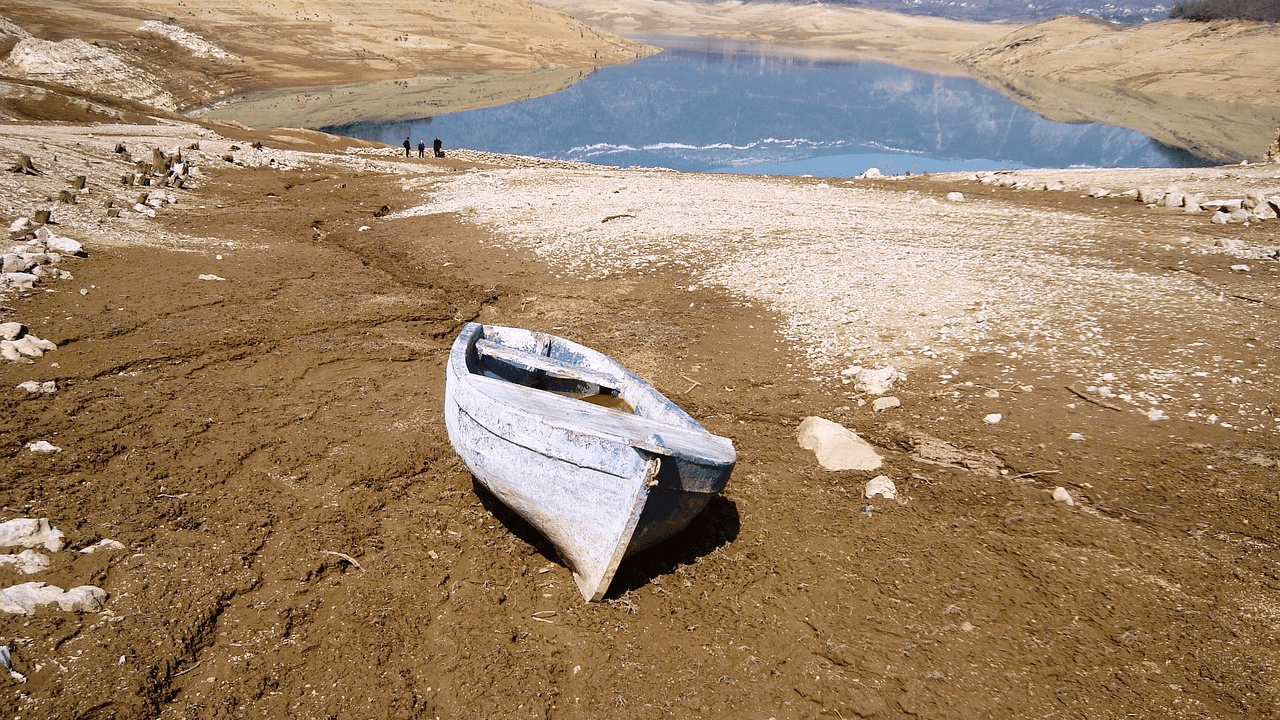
(716,526)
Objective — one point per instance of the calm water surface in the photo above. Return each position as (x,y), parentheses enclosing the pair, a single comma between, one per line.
(740,109)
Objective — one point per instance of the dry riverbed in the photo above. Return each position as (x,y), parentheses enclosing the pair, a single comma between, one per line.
(248,399)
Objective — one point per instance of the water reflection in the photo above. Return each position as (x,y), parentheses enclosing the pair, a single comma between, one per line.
(728,108)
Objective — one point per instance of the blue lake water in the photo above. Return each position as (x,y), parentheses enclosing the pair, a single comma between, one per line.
(743,109)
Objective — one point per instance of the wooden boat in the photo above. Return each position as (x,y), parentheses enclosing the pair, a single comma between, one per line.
(592,456)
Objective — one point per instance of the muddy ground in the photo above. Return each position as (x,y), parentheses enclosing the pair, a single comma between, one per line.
(302,541)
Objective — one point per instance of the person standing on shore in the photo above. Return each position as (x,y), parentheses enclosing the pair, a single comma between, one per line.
(407,146)
(435,147)
(422,148)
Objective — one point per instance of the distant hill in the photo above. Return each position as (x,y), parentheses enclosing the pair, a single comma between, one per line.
(1124,11)
(1264,10)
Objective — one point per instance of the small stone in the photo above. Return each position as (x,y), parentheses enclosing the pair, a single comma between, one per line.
(992,393)
(955,196)
(1060,494)
(883,486)
(43,446)
(1240,268)
(885,403)
(104,544)
(1076,437)
(836,447)
(207,276)
(993,418)
(1155,414)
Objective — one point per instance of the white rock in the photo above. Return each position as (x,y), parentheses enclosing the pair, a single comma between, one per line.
(1240,268)
(955,196)
(992,393)
(885,403)
(1155,414)
(1061,495)
(836,447)
(33,386)
(883,486)
(19,225)
(27,562)
(103,544)
(58,243)
(872,173)
(30,533)
(23,280)
(25,345)
(12,330)
(211,277)
(878,381)
(993,418)
(9,351)
(43,446)
(1076,437)
(25,598)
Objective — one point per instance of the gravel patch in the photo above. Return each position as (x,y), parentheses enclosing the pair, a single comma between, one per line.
(872,277)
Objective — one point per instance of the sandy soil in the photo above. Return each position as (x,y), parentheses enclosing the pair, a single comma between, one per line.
(249,399)
(241,435)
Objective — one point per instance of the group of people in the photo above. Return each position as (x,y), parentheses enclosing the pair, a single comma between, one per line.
(422,148)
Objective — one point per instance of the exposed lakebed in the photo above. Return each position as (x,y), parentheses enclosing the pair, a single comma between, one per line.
(736,107)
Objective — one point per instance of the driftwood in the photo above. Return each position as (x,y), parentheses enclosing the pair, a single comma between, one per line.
(1100,403)
(24,166)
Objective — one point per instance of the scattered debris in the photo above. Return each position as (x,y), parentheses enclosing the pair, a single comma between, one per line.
(350,560)
(934,451)
(7,661)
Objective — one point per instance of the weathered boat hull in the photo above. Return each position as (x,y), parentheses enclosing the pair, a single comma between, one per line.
(600,483)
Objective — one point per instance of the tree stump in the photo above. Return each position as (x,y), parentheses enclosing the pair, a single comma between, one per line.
(43,217)
(68,197)
(24,166)
(78,182)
